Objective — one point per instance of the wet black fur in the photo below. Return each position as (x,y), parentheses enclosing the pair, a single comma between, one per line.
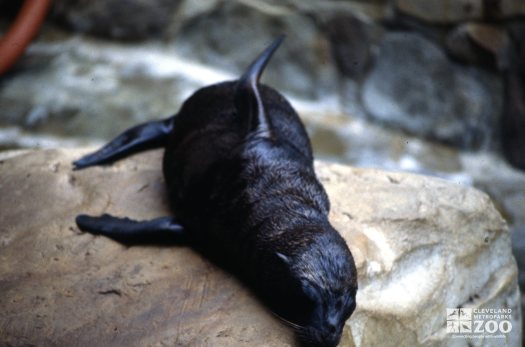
(244,191)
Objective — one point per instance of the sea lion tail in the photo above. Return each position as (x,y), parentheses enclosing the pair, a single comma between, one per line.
(248,101)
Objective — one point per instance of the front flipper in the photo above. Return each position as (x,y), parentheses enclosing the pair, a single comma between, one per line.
(163,230)
(139,138)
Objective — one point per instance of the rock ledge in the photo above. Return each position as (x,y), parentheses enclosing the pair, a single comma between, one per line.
(421,245)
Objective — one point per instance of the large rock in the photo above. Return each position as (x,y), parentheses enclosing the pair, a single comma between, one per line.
(421,242)
(414,86)
(421,245)
(513,117)
(117,19)
(441,11)
(302,66)
(350,43)
(481,44)
(451,11)
(518,247)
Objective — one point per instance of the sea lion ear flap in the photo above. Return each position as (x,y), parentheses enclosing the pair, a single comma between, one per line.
(247,98)
(283,257)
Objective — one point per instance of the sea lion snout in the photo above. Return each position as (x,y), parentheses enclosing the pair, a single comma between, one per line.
(326,330)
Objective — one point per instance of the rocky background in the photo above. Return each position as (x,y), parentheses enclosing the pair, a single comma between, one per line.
(429,86)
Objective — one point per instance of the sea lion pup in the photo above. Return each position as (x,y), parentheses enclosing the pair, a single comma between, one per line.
(239,170)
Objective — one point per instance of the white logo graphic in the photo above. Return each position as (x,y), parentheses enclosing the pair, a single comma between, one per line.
(459,320)
(478,322)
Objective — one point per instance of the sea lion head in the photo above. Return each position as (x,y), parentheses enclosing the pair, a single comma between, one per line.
(325,290)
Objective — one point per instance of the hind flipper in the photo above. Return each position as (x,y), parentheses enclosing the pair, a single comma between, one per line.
(248,101)
(139,138)
(127,231)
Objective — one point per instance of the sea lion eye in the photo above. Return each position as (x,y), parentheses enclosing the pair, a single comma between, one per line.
(310,291)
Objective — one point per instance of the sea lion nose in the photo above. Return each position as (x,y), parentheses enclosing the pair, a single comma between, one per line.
(331,340)
(331,329)
(332,335)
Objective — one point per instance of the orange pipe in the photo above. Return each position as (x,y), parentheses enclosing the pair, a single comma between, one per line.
(22,31)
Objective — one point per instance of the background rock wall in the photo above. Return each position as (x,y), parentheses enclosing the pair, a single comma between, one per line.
(435,68)
(450,71)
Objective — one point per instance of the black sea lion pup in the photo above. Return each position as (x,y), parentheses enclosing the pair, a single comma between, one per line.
(239,171)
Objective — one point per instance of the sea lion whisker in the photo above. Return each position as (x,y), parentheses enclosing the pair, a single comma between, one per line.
(295,326)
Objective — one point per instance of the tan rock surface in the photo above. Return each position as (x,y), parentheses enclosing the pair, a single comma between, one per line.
(421,245)
(451,11)
(441,11)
